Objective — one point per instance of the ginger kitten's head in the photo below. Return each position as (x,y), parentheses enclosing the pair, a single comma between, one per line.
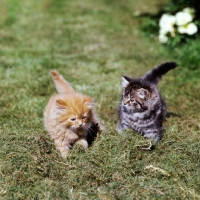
(74,111)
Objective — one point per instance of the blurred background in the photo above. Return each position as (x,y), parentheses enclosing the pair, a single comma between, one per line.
(92,43)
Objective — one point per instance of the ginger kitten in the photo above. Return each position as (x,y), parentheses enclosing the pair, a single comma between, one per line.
(69,117)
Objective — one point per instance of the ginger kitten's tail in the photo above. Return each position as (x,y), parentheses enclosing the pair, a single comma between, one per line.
(62,86)
(156,73)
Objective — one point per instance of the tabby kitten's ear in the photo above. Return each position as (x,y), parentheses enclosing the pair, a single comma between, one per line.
(125,81)
(143,93)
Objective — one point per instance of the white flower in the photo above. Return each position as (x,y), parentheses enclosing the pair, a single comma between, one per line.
(166,23)
(163,38)
(167,29)
(183,18)
(167,20)
(189,10)
(189,29)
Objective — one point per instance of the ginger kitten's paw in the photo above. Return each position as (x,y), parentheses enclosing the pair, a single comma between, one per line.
(64,154)
(83,143)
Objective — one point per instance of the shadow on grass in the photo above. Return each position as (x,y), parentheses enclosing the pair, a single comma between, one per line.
(171,114)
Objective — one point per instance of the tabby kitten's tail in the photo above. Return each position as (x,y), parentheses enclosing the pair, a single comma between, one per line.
(62,86)
(156,73)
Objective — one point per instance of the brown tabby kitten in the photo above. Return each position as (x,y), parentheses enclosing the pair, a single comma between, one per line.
(142,107)
(69,117)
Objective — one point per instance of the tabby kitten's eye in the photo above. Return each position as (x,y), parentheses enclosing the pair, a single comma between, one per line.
(73,119)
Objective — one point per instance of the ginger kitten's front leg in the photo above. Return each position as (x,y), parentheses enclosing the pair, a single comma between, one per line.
(63,145)
(65,142)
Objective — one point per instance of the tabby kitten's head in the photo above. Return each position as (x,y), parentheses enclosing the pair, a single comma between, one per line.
(74,112)
(136,95)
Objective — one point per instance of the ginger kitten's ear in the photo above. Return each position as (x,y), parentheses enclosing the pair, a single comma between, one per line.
(125,81)
(61,104)
(89,102)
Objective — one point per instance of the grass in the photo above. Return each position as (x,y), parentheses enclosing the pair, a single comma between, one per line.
(92,43)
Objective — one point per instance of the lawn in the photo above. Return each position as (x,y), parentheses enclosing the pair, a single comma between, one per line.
(93,43)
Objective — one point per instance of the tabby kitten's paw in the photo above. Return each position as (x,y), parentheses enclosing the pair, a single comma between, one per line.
(119,128)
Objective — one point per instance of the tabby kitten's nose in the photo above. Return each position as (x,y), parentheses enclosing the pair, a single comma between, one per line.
(135,104)
(126,102)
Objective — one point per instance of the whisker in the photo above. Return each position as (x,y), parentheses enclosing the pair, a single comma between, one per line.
(89,129)
(85,128)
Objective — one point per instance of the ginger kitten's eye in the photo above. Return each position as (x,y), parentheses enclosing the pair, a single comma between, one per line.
(83,117)
(73,119)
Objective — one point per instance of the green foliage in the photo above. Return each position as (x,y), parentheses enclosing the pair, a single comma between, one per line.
(92,43)
(176,5)
(174,37)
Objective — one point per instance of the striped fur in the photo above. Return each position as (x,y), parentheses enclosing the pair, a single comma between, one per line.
(142,107)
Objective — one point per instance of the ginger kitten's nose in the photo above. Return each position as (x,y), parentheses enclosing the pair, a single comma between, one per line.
(80,123)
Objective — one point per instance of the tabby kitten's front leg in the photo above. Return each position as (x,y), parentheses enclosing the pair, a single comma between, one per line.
(154,139)
(121,126)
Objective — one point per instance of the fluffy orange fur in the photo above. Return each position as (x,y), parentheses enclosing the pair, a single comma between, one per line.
(68,116)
